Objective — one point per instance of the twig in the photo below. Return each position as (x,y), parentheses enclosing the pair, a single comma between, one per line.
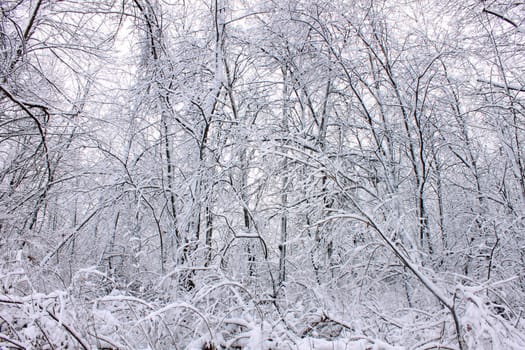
(12,341)
(500,16)
(69,330)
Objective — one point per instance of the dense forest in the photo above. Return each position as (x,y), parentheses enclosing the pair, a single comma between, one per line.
(256,175)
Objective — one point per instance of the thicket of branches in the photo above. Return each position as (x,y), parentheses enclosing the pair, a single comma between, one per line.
(262,174)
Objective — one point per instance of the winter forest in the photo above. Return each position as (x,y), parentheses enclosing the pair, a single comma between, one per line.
(262,175)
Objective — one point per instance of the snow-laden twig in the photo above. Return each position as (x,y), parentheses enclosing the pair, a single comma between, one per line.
(182,305)
(18,344)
